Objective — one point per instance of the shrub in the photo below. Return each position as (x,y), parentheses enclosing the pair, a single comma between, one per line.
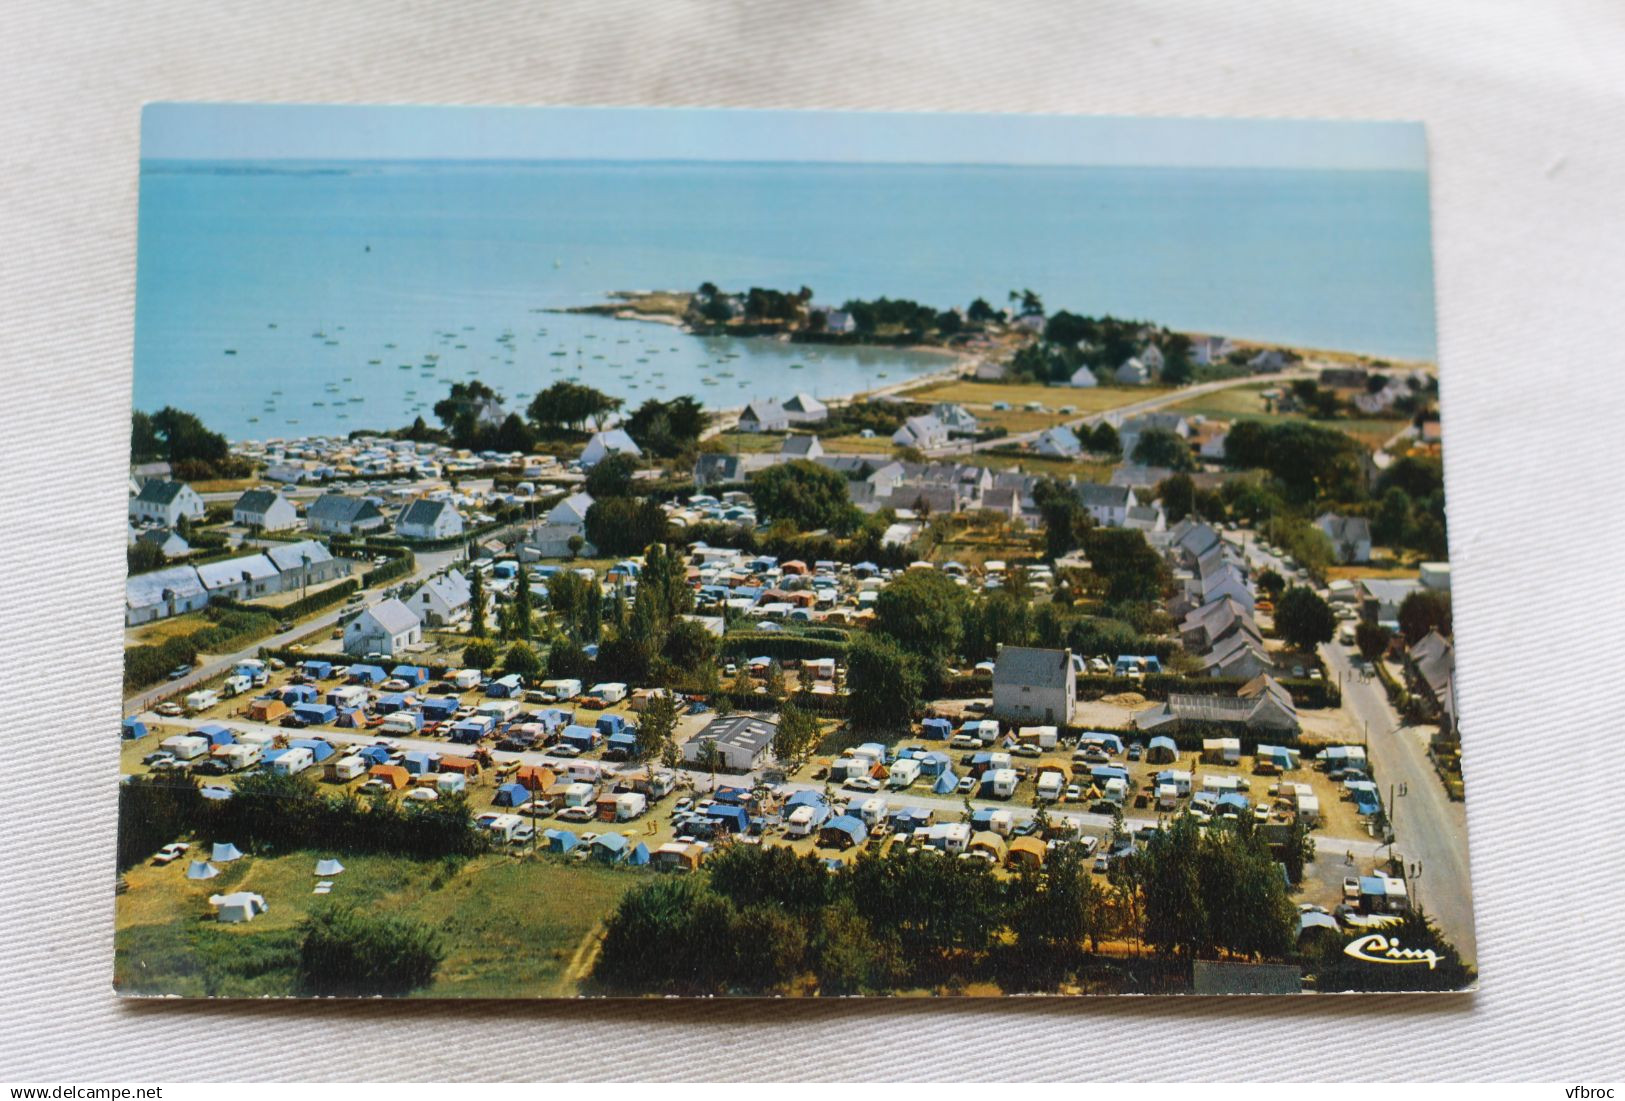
(349,953)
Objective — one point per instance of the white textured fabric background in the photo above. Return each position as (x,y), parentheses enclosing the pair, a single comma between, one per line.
(1524,104)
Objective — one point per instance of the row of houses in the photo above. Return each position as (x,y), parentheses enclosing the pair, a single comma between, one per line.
(1260,704)
(1214,606)
(178,589)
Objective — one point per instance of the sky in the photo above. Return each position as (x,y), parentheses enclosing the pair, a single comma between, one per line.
(214,131)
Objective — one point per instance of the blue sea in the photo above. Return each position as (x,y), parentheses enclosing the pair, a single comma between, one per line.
(281,299)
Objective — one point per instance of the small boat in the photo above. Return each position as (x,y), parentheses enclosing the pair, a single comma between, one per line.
(231,351)
(406,367)
(374,362)
(331,343)
(253,420)
(270,324)
(318,404)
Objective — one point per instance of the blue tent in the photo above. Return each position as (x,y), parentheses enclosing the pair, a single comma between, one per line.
(909,819)
(440,708)
(625,741)
(936,728)
(319,750)
(419,763)
(395,701)
(505,569)
(511,795)
(295,694)
(1280,756)
(1111,742)
(935,764)
(734,818)
(561,841)
(134,728)
(375,755)
(612,724)
(582,737)
(217,734)
(982,818)
(1162,750)
(554,717)
(472,729)
(946,784)
(732,796)
(367,674)
(316,712)
(843,831)
(866,569)
(611,848)
(506,687)
(1233,800)
(804,798)
(1102,773)
(639,855)
(321,670)
(412,674)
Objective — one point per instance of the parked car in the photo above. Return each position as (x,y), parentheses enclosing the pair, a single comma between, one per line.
(967,784)
(863,783)
(1074,793)
(170,852)
(1102,863)
(294,722)
(1351,889)
(965,741)
(156,756)
(1135,751)
(169,709)
(565,751)
(523,834)
(1026,751)
(178,672)
(576,814)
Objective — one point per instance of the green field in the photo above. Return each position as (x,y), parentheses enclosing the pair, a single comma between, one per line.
(978,396)
(1247,403)
(512,927)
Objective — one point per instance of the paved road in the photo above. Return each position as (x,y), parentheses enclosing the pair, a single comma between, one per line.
(1430,830)
(948,806)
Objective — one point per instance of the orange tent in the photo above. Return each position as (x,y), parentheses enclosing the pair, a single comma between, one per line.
(393,775)
(535,777)
(463,765)
(266,711)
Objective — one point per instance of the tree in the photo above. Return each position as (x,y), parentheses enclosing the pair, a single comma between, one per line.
(153,810)
(1104,440)
(180,439)
(924,612)
(806,494)
(981,312)
(521,659)
(570,405)
(1130,568)
(522,607)
(1271,583)
(1175,915)
(710,759)
(1066,520)
(797,735)
(625,525)
(1303,619)
(348,952)
(883,685)
(479,655)
(142,557)
(656,726)
(476,604)
(611,476)
(1336,970)
(1178,496)
(1163,447)
(1422,611)
(566,659)
(1372,640)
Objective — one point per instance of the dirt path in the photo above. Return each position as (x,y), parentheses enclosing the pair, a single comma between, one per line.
(582,961)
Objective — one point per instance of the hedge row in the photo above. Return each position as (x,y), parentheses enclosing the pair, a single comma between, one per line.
(315,602)
(232,629)
(1309,695)
(751,644)
(389,571)
(827,706)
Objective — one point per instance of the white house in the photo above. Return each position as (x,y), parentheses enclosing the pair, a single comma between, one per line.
(242,578)
(1032,685)
(159,594)
(165,502)
(165,539)
(923,432)
(1350,536)
(801,447)
(440,600)
(1132,372)
(1059,442)
(743,741)
(1108,504)
(613,441)
(1084,377)
(806,409)
(956,418)
(265,509)
(764,416)
(1153,359)
(336,514)
(571,510)
(388,627)
(426,519)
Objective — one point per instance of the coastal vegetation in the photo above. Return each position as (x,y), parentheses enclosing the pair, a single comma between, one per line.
(176,437)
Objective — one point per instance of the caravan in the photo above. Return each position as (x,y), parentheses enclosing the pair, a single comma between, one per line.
(201,700)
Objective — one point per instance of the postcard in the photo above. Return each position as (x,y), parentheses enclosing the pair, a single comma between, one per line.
(633,553)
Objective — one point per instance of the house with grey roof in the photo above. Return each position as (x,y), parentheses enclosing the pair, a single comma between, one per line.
(1108,504)
(956,418)
(166,540)
(264,510)
(442,600)
(611,441)
(165,502)
(801,447)
(806,409)
(160,594)
(1059,442)
(743,741)
(388,628)
(1034,685)
(338,514)
(1131,372)
(306,562)
(764,416)
(1261,704)
(427,519)
(924,432)
(242,578)
(1350,536)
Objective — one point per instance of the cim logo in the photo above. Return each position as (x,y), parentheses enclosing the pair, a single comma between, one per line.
(1376,948)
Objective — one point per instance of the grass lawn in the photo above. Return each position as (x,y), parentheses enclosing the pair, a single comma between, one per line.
(1085,470)
(977,396)
(1247,403)
(163,630)
(512,927)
